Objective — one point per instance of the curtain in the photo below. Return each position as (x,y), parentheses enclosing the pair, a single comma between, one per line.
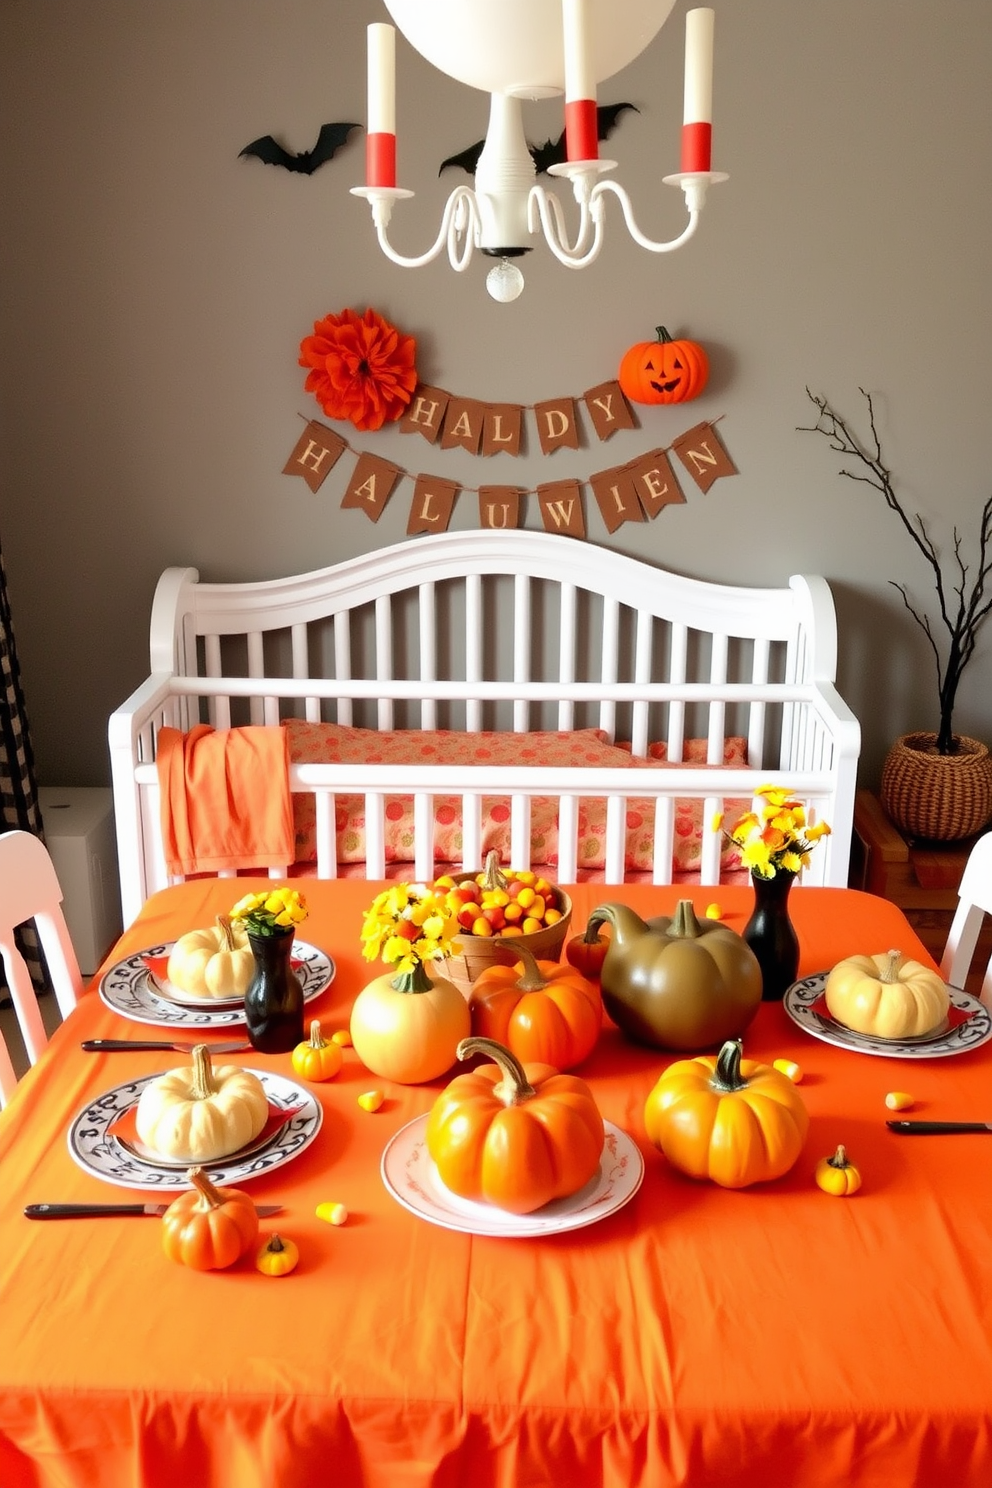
(18,788)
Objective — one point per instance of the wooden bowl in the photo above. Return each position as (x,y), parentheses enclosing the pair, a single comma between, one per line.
(476,952)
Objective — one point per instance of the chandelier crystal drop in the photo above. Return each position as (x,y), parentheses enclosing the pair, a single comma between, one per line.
(525,49)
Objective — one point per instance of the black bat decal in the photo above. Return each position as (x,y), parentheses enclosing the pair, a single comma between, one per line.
(329,141)
(552,152)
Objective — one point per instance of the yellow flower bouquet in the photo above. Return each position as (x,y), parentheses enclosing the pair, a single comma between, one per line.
(407,925)
(274,912)
(777,838)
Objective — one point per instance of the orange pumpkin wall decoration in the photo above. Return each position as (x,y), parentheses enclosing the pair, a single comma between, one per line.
(664,371)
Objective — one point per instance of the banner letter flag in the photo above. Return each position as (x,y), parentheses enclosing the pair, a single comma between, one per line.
(501,427)
(425,413)
(561,508)
(616,497)
(703,455)
(499,506)
(317,451)
(654,482)
(556,425)
(432,505)
(371,485)
(462,424)
(608,409)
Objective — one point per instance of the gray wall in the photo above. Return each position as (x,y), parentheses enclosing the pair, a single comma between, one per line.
(156,288)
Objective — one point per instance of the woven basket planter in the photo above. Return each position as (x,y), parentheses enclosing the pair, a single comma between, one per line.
(939,797)
(474,953)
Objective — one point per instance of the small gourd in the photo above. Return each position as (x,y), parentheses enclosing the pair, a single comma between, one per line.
(887,996)
(728,1119)
(317,1058)
(216,962)
(198,1113)
(514,1136)
(837,1175)
(278,1256)
(541,1010)
(209,1228)
(587,952)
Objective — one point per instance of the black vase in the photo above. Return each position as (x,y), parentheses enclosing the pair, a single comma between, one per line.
(274,999)
(772,936)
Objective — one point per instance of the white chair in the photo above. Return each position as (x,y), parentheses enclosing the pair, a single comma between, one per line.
(974,903)
(29,890)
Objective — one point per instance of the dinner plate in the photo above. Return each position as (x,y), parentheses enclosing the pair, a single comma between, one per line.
(968,1025)
(131,990)
(412,1179)
(93,1145)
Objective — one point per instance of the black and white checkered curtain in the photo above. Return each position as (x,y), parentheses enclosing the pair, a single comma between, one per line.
(18,790)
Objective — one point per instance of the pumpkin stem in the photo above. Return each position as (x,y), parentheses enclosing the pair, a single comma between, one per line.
(839,1159)
(227,930)
(316,1041)
(275,1244)
(203,1077)
(532,978)
(495,877)
(514,1088)
(890,971)
(727,1076)
(416,980)
(685,925)
(662,334)
(210,1196)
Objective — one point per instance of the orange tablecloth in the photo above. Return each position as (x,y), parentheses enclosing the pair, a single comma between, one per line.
(701,1337)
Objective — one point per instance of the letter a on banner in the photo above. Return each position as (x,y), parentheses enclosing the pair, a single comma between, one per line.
(561,508)
(317,451)
(371,485)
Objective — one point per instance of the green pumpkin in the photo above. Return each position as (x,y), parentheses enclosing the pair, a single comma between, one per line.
(677,983)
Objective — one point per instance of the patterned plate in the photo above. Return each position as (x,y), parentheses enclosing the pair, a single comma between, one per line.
(130,989)
(968,1026)
(95,1148)
(412,1179)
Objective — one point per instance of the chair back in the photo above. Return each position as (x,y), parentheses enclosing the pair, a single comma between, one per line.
(30,890)
(974,903)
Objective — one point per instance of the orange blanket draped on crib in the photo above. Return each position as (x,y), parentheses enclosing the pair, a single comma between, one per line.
(225,798)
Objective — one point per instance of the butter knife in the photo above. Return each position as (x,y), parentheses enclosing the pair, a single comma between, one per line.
(934,1128)
(92,1211)
(113,1046)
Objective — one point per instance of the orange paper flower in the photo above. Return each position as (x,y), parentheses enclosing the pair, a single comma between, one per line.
(361,368)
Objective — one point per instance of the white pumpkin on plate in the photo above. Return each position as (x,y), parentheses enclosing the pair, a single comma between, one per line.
(887,996)
(216,962)
(197,1114)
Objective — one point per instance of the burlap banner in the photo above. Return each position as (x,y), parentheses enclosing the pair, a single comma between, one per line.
(633,492)
(493,428)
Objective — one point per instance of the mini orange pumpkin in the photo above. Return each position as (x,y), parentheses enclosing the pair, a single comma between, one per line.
(541,1010)
(664,371)
(208,1228)
(512,1136)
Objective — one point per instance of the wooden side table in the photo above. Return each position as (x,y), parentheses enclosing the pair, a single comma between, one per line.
(921,877)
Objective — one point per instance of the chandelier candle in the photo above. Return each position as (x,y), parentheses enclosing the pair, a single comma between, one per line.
(581,122)
(697,114)
(380,142)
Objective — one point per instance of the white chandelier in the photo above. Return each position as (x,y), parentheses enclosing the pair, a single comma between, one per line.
(525,49)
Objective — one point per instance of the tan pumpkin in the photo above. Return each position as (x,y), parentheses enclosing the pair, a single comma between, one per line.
(216,962)
(407,1026)
(197,1113)
(888,996)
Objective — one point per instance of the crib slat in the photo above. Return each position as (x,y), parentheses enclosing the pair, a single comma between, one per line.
(520,832)
(342,662)
(471,833)
(664,840)
(568,836)
(716,732)
(676,672)
(219,708)
(301,668)
(616,834)
(757,712)
(521,648)
(609,663)
(375,837)
(327,844)
(567,642)
(384,657)
(643,643)
(423,837)
(256,668)
(427,609)
(473,648)
(709,866)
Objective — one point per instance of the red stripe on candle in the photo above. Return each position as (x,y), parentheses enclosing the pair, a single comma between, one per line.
(380,160)
(582,129)
(697,146)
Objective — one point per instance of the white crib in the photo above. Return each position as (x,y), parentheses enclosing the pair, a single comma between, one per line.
(509,631)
